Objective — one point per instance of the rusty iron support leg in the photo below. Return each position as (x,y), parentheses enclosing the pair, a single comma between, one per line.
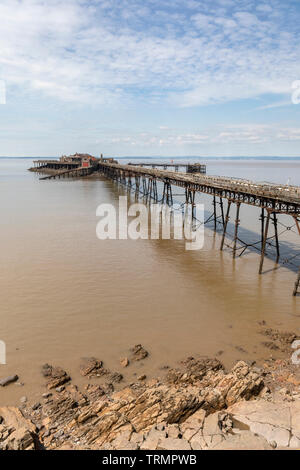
(171,194)
(164,192)
(222,211)
(276,236)
(262,219)
(144,187)
(237,223)
(225,225)
(193,203)
(297,284)
(263,248)
(215,212)
(155,195)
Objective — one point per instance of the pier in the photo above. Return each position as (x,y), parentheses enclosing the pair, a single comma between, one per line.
(273,200)
(188,167)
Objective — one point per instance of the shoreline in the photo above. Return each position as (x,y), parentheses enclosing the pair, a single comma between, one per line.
(197,405)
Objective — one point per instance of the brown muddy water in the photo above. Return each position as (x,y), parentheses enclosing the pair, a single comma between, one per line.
(66,295)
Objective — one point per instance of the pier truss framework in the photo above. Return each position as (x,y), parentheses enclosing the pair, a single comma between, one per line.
(271,199)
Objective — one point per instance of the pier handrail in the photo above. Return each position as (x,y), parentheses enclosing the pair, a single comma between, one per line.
(284,193)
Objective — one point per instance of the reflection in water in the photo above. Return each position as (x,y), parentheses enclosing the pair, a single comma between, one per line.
(65,294)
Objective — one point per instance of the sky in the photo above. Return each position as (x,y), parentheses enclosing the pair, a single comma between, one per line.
(150,77)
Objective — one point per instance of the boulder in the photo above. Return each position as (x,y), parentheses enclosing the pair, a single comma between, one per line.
(138,353)
(55,376)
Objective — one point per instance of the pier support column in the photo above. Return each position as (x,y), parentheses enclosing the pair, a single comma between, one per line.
(144,186)
(225,225)
(297,283)
(263,248)
(276,236)
(149,190)
(167,194)
(262,219)
(222,211)
(137,187)
(215,212)
(237,223)
(155,194)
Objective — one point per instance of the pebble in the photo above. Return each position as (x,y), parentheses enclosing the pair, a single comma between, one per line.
(23,400)
(124,362)
(36,406)
(60,389)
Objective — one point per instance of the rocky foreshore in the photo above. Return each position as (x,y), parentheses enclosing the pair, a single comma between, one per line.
(197,406)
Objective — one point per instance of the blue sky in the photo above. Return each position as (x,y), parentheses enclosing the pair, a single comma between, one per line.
(150,77)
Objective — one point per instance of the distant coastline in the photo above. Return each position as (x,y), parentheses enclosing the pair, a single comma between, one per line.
(167,157)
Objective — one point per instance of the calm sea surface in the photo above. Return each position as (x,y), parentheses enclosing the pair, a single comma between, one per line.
(67,295)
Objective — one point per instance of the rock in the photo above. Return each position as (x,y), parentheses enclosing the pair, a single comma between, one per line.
(173,431)
(115,377)
(198,406)
(23,400)
(8,380)
(245,440)
(295,419)
(124,442)
(293,380)
(124,362)
(55,376)
(279,340)
(151,411)
(192,425)
(241,383)
(90,366)
(142,377)
(60,389)
(17,433)
(152,439)
(139,353)
(269,420)
(94,392)
(173,444)
(58,434)
(137,438)
(36,406)
(212,433)
(193,370)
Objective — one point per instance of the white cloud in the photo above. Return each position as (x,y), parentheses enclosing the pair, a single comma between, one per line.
(251,135)
(263,7)
(101,52)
